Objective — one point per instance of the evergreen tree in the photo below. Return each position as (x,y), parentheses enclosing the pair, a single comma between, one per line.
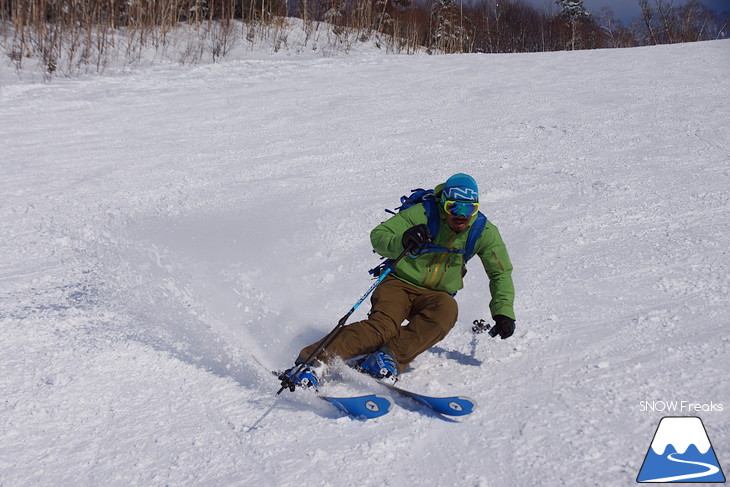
(448,32)
(573,11)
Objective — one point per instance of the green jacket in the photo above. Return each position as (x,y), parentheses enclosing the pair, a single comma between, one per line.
(443,271)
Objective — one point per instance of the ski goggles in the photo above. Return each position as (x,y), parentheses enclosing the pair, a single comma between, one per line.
(461,208)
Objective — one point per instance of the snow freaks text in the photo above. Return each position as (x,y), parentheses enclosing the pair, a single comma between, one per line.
(681,407)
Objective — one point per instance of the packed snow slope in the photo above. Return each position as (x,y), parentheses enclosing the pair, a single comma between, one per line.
(160,229)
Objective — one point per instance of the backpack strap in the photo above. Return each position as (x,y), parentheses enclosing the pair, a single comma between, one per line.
(431,207)
(432,213)
(474,233)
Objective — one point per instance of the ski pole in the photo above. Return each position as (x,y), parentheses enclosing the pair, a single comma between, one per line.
(287,382)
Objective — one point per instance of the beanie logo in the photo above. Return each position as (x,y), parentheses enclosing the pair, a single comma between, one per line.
(461,194)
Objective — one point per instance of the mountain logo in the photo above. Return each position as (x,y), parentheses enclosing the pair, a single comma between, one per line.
(681,452)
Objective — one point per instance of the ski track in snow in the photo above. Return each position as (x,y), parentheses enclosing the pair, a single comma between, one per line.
(158,228)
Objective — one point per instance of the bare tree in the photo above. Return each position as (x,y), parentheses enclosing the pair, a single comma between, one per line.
(647,17)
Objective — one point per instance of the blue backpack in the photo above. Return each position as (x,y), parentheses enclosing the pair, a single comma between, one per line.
(427,198)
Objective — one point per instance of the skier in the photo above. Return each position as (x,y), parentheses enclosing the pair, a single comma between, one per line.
(420,289)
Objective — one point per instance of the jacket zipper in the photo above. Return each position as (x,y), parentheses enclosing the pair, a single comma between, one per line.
(439,263)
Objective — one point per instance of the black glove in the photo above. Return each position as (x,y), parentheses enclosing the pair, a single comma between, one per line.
(503,326)
(416,237)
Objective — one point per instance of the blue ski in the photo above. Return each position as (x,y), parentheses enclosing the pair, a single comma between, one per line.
(365,407)
(446,405)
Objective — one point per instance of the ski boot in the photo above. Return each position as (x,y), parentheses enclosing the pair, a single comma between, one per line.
(381,366)
(305,377)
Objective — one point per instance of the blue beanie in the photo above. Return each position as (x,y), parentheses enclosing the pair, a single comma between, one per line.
(461,187)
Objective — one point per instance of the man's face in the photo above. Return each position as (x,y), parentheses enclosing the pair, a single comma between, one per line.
(457,223)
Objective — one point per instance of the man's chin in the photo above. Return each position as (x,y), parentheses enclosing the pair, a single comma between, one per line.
(460,224)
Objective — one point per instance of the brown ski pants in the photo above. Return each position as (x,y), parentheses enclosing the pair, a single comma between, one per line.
(430,314)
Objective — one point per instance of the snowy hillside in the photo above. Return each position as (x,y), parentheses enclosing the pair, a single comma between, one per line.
(159,229)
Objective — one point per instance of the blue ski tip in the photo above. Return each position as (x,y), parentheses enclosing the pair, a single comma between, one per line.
(448,405)
(365,407)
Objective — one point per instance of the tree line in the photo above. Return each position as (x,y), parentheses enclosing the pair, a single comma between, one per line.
(54,29)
